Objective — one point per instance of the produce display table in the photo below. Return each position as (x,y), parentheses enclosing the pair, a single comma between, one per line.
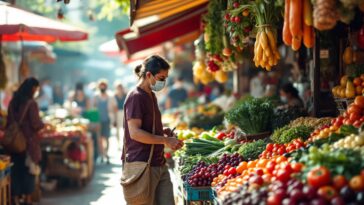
(58,165)
(5,179)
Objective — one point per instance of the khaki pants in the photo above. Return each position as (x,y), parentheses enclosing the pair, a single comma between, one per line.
(161,186)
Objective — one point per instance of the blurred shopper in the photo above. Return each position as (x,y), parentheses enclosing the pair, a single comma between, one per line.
(145,137)
(46,95)
(290,97)
(120,96)
(23,109)
(80,99)
(177,94)
(107,109)
(257,85)
(58,95)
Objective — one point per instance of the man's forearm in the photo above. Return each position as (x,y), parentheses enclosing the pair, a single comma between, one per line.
(146,137)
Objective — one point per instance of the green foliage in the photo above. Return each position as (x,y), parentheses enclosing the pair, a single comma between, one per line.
(252,115)
(287,134)
(252,150)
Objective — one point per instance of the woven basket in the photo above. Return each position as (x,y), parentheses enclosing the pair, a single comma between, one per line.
(342,104)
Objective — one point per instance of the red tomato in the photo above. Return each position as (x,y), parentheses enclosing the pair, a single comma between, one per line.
(283,175)
(269,147)
(354,109)
(297,167)
(357,123)
(339,181)
(318,177)
(340,119)
(259,172)
(327,192)
(270,166)
(274,200)
(354,116)
(281,151)
(232,171)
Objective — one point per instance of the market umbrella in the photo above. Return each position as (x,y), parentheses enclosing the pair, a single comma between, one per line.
(17,24)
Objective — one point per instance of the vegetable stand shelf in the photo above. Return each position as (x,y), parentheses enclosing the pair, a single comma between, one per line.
(68,157)
(188,195)
(5,192)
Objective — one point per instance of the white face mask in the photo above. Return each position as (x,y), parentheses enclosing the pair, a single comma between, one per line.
(158,86)
(284,99)
(36,94)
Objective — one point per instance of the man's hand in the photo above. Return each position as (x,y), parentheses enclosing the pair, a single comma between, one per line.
(168,132)
(173,143)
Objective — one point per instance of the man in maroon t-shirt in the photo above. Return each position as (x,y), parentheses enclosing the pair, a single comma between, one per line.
(141,113)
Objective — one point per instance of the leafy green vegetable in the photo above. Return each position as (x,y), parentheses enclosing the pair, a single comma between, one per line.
(283,117)
(345,162)
(202,147)
(348,130)
(287,134)
(252,150)
(252,115)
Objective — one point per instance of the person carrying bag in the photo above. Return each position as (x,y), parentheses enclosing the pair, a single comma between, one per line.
(14,140)
(145,177)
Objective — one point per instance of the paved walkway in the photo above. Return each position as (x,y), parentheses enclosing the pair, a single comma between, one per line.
(104,189)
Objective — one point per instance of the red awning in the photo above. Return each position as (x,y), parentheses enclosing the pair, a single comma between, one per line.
(110,48)
(133,42)
(17,24)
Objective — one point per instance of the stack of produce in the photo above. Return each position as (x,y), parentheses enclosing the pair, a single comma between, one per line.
(4,162)
(206,117)
(56,127)
(252,115)
(298,25)
(284,116)
(286,134)
(349,88)
(353,116)
(325,166)
(310,122)
(203,174)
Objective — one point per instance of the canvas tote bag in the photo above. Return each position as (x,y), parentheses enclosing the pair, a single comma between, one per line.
(136,177)
(14,140)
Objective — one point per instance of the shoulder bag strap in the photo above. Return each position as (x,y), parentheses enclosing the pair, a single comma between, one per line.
(24,112)
(152,147)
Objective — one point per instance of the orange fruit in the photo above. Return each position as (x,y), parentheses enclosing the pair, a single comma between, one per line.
(359,90)
(357,81)
(262,163)
(241,167)
(252,164)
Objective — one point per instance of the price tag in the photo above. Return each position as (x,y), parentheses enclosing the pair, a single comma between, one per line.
(324,54)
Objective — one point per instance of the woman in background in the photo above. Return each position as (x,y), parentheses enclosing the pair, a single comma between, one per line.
(25,166)
(120,96)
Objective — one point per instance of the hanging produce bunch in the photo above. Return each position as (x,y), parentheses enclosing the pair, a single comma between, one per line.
(216,43)
(238,25)
(266,54)
(200,73)
(298,24)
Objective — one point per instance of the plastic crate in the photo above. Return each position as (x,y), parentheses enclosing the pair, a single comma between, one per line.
(198,193)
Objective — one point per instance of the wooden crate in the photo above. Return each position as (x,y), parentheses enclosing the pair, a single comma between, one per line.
(5,191)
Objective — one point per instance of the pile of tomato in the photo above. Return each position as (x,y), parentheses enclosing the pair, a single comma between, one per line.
(273,150)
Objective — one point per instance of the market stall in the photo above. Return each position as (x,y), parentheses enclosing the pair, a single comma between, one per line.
(68,148)
(308,159)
